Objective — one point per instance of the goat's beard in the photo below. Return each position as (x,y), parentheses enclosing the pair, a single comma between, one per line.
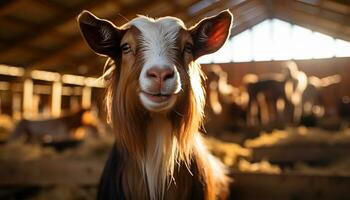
(129,118)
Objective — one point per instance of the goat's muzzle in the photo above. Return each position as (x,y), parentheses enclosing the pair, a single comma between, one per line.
(159,87)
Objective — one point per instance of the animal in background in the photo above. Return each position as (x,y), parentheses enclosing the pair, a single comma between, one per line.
(344,108)
(268,98)
(55,129)
(306,93)
(155,103)
(312,101)
(225,105)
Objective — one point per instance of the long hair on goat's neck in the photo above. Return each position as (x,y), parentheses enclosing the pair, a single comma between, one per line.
(157,154)
(187,115)
(125,113)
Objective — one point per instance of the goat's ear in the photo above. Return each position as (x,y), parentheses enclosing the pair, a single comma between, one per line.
(101,35)
(211,33)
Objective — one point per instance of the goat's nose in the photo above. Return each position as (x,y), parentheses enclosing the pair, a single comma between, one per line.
(160,74)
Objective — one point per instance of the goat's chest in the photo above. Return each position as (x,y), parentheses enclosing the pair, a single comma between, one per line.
(185,185)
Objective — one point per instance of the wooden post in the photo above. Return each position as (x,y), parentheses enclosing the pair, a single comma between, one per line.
(36,100)
(86,97)
(16,106)
(56,99)
(0,104)
(27,98)
(74,103)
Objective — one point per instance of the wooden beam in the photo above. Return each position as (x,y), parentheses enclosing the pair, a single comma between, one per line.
(254,20)
(300,153)
(94,66)
(218,6)
(323,6)
(53,5)
(246,14)
(269,7)
(78,42)
(8,6)
(291,185)
(317,19)
(59,55)
(6,3)
(310,8)
(315,23)
(246,185)
(236,8)
(86,98)
(16,106)
(56,99)
(27,98)
(46,172)
(39,30)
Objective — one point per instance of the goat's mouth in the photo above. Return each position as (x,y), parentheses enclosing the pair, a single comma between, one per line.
(157,102)
(157,97)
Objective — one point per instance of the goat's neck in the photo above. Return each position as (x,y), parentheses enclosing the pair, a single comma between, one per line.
(165,175)
(160,157)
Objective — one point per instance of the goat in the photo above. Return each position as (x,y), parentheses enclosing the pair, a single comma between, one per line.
(155,102)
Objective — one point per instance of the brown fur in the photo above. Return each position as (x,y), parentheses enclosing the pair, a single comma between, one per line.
(183,168)
(123,105)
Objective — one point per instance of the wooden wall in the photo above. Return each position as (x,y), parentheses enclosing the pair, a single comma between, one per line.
(316,67)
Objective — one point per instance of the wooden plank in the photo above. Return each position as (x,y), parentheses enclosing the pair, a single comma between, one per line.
(47,172)
(253,186)
(305,153)
(246,186)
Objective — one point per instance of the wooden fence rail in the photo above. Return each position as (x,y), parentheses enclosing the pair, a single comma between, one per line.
(246,186)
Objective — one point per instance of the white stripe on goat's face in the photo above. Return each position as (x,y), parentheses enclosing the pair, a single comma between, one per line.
(159,78)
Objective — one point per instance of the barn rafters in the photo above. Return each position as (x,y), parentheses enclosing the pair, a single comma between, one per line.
(38,34)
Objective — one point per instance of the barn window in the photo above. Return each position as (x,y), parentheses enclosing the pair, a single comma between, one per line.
(275,39)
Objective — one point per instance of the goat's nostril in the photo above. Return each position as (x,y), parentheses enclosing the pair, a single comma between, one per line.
(152,74)
(160,74)
(168,74)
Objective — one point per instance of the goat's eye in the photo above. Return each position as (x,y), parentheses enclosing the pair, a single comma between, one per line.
(126,48)
(188,48)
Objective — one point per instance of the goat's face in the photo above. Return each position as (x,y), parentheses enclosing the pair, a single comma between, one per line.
(155,54)
(163,59)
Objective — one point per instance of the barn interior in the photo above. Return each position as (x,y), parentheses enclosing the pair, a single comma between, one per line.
(277,97)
